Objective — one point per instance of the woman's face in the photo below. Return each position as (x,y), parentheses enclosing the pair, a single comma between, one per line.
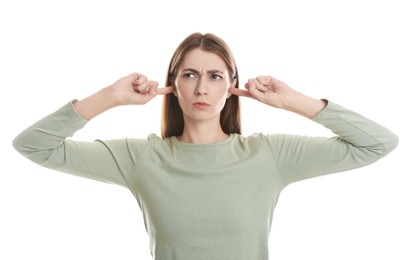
(201,85)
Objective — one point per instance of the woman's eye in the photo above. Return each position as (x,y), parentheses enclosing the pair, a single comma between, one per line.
(216,76)
(189,75)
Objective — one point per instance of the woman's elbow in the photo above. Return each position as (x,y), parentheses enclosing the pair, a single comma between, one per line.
(18,145)
(29,150)
(391,143)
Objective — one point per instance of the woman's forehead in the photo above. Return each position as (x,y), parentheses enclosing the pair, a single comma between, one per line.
(199,59)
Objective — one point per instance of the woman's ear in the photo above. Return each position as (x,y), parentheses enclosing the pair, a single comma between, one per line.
(175,92)
(231,86)
(228,94)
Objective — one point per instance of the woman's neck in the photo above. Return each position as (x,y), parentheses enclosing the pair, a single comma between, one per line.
(202,133)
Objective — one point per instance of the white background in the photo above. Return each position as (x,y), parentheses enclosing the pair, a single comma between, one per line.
(355,53)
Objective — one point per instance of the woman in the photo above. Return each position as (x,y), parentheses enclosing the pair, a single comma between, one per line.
(206,191)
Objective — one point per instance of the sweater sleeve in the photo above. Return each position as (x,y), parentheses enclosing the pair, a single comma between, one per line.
(358,142)
(46,143)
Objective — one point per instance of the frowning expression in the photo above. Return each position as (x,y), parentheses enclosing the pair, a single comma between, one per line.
(202,84)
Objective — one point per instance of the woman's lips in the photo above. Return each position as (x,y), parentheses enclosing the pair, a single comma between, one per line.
(201,105)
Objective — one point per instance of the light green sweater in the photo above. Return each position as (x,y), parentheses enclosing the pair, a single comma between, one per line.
(207,201)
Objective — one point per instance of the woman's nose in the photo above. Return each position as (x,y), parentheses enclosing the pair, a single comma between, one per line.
(201,88)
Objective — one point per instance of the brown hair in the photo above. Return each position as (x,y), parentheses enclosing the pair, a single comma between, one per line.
(172,117)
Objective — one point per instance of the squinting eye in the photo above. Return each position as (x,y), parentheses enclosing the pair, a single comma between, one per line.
(189,75)
(216,76)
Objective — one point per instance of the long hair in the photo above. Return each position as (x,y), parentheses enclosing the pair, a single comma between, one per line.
(172,123)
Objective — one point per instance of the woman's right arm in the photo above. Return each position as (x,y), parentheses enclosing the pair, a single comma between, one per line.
(45,142)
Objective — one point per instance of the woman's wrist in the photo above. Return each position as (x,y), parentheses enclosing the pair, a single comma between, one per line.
(303,105)
(97,103)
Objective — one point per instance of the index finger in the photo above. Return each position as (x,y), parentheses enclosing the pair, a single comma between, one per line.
(164,91)
(239,92)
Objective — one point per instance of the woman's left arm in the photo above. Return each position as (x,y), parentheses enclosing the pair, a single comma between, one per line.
(359,141)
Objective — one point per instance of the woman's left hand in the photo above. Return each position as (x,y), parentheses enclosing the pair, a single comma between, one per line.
(265,89)
(276,93)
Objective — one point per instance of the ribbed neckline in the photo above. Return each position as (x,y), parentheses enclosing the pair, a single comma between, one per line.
(175,141)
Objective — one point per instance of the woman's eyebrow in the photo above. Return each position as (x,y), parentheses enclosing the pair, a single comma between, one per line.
(215,71)
(191,70)
(197,72)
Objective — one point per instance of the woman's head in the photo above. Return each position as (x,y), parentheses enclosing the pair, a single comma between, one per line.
(172,114)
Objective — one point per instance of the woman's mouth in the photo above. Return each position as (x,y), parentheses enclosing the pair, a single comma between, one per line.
(201,105)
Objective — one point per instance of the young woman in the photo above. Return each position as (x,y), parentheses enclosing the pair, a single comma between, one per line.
(206,191)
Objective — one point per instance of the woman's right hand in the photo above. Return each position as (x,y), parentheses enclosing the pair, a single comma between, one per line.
(136,89)
(133,89)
